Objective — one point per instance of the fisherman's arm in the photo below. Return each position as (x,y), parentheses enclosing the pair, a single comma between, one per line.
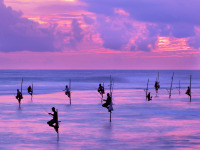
(50,114)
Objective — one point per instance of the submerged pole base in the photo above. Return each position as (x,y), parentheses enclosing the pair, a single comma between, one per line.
(57,136)
(110,116)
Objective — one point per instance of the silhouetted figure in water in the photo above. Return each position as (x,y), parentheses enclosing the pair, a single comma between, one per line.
(149,97)
(188,92)
(30,90)
(101,90)
(157,86)
(54,122)
(67,91)
(19,96)
(108,101)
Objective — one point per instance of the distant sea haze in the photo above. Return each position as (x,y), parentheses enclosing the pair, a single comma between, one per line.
(51,81)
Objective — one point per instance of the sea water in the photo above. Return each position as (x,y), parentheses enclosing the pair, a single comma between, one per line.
(50,81)
(163,123)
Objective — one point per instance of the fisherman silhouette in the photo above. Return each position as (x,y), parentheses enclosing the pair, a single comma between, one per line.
(188,92)
(67,91)
(108,101)
(19,96)
(54,122)
(157,86)
(30,90)
(149,97)
(101,90)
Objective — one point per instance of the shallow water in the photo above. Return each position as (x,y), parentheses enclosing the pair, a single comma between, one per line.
(162,123)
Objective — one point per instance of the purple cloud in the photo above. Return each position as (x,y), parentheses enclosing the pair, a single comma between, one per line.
(171,18)
(165,11)
(19,34)
(114,35)
(77,34)
(87,19)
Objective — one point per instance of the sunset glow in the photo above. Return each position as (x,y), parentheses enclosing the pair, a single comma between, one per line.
(83,26)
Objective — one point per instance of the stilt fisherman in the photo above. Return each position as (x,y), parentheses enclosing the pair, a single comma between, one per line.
(101,90)
(19,96)
(30,91)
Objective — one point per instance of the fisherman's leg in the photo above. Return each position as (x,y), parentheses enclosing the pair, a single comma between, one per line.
(50,123)
(68,94)
(56,127)
(104,105)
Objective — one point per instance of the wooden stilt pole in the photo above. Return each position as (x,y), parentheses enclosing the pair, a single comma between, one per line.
(111,90)
(57,124)
(147,88)
(58,136)
(170,92)
(110,86)
(32,92)
(70,92)
(190,88)
(110,116)
(21,85)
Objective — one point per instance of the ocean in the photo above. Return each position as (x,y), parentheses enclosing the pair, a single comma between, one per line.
(163,123)
(51,81)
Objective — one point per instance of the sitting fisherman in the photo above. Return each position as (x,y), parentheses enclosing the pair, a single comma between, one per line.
(30,90)
(188,92)
(157,86)
(19,96)
(101,90)
(149,97)
(54,122)
(67,91)
(108,101)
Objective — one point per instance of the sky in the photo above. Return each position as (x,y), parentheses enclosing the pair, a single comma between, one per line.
(100,34)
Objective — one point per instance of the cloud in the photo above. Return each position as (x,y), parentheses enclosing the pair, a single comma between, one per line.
(164,11)
(77,31)
(183,30)
(170,18)
(194,42)
(19,34)
(112,33)
(77,34)
(87,19)
(145,44)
